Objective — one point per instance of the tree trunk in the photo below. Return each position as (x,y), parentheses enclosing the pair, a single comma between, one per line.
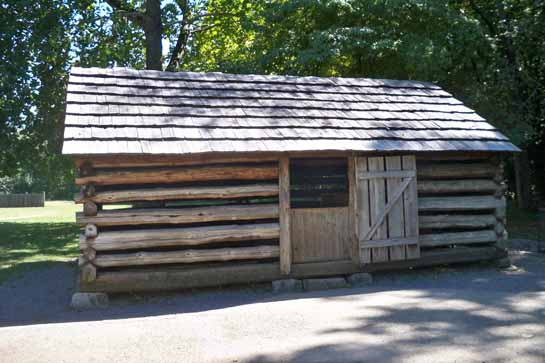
(153,29)
(522,177)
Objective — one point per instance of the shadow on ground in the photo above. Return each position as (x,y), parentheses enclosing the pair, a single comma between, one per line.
(488,314)
(43,295)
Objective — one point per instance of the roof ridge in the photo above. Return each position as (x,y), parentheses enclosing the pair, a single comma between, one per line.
(124,72)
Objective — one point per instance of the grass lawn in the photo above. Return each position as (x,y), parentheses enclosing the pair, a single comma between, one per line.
(35,237)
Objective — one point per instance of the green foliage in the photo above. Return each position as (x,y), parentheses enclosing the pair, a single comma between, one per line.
(490,54)
(33,64)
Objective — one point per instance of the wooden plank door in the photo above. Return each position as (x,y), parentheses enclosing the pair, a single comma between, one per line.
(386,208)
(320,234)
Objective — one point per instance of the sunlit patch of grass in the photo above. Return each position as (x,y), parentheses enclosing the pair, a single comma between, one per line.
(34,237)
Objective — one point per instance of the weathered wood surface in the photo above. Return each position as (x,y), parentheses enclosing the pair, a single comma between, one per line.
(320,234)
(443,221)
(89,254)
(456,186)
(324,268)
(468,237)
(190,236)
(388,204)
(377,202)
(89,208)
(172,278)
(284,218)
(394,173)
(187,256)
(471,203)
(455,170)
(352,210)
(442,256)
(88,273)
(182,174)
(410,203)
(363,218)
(482,156)
(391,242)
(90,230)
(121,217)
(219,192)
(380,219)
(124,161)
(395,216)
(145,115)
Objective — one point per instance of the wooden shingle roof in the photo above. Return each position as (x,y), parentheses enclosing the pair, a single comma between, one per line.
(123,111)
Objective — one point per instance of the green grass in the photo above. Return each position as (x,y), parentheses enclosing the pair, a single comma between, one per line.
(35,237)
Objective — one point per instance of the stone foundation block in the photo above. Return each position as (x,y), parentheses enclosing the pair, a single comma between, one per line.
(325,283)
(287,285)
(89,300)
(360,279)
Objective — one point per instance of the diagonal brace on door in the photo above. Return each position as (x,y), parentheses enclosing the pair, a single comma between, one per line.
(387,208)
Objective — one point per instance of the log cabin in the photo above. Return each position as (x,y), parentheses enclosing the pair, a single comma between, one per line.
(205,179)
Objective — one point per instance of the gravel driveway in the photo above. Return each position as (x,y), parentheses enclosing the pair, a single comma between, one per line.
(470,314)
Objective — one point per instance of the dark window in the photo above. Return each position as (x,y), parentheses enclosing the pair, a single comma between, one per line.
(318,183)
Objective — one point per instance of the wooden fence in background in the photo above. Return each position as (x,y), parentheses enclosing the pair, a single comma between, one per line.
(22,200)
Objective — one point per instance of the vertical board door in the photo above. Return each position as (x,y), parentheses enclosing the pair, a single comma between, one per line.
(386,208)
(320,234)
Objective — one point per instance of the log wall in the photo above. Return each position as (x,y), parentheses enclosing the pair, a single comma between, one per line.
(203,222)
(460,201)
(167,215)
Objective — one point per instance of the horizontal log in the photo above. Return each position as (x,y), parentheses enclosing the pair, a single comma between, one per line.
(182,174)
(187,256)
(455,170)
(472,203)
(220,192)
(443,221)
(455,156)
(181,277)
(191,236)
(456,186)
(90,230)
(89,208)
(445,239)
(127,217)
(391,242)
(123,161)
(184,277)
(442,256)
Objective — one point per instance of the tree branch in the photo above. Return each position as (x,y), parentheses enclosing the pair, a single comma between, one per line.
(214,14)
(128,12)
(489,24)
(183,36)
(204,28)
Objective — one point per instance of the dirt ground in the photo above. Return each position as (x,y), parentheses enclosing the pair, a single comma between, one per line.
(474,313)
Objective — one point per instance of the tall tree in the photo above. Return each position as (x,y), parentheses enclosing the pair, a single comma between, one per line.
(34,55)
(148,17)
(179,22)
